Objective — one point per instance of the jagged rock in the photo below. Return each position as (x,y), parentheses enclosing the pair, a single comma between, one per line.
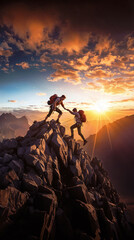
(20,151)
(79,192)
(85,219)
(108,229)
(49,171)
(71,142)
(17,166)
(9,143)
(34,162)
(76,181)
(10,178)
(76,168)
(60,148)
(46,202)
(66,231)
(30,149)
(12,199)
(7,158)
(29,184)
(62,131)
(64,190)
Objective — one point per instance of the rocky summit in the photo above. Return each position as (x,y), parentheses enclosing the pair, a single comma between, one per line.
(50,189)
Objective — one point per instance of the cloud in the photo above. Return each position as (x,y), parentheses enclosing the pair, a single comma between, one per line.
(80,63)
(40,24)
(24,65)
(113,86)
(123,100)
(5,69)
(45,59)
(6,53)
(99,74)
(130,43)
(68,75)
(41,94)
(5,45)
(104,44)
(12,101)
(108,60)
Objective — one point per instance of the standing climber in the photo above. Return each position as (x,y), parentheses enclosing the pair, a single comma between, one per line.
(54,101)
(79,118)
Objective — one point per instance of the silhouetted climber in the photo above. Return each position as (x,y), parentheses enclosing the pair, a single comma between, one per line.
(79,118)
(54,102)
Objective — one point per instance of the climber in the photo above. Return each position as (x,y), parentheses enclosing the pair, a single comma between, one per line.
(79,118)
(54,102)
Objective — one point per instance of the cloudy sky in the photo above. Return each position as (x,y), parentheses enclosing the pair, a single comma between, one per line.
(83,50)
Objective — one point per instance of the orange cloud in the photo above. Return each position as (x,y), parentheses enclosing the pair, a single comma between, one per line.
(6,53)
(29,23)
(104,44)
(80,63)
(40,94)
(72,39)
(113,86)
(68,75)
(123,100)
(5,69)
(108,60)
(130,43)
(12,101)
(24,65)
(99,74)
(45,59)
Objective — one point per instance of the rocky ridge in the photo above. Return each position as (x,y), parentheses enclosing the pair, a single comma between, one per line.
(51,189)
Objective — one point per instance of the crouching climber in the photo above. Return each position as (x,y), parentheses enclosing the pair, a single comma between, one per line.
(54,102)
(80,117)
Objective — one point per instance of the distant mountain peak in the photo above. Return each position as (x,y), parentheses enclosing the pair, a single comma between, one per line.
(10,126)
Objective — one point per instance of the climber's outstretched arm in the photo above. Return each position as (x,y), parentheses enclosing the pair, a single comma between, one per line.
(70,111)
(63,106)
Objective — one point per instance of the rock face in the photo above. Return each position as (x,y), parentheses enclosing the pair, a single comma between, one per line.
(11,127)
(51,189)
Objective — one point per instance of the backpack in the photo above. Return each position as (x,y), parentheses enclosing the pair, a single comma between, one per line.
(82,116)
(52,99)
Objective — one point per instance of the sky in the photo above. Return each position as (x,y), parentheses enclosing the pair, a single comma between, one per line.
(82,50)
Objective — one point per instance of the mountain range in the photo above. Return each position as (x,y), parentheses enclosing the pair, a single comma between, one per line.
(11,127)
(114,145)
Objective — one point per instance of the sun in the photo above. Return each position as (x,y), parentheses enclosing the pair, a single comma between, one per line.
(101,106)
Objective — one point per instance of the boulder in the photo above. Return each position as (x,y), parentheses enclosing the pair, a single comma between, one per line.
(10,143)
(79,192)
(29,184)
(46,202)
(66,231)
(33,161)
(61,149)
(17,166)
(85,219)
(7,158)
(70,142)
(10,178)
(107,227)
(20,151)
(76,169)
(62,131)
(13,199)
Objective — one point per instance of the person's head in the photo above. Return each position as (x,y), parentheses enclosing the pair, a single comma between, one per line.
(74,109)
(63,97)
